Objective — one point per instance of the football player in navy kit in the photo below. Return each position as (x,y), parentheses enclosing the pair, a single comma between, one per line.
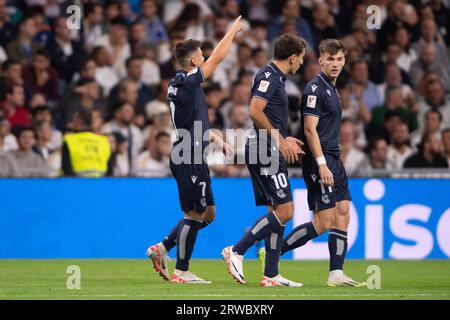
(269,111)
(324,174)
(189,112)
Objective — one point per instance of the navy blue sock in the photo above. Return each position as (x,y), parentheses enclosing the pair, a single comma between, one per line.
(261,229)
(337,244)
(299,237)
(273,244)
(187,234)
(170,240)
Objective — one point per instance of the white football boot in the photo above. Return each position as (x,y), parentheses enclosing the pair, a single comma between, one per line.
(234,264)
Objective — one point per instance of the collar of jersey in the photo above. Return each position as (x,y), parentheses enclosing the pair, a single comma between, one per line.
(180,71)
(275,68)
(327,80)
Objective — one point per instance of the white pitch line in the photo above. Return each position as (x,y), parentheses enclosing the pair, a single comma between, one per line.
(242,295)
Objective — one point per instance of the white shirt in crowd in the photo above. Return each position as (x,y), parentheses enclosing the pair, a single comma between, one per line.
(146,166)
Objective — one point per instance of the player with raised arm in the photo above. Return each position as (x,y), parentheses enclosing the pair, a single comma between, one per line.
(269,111)
(325,178)
(188,109)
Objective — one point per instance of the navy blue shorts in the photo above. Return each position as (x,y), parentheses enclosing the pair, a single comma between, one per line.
(320,196)
(194,186)
(269,189)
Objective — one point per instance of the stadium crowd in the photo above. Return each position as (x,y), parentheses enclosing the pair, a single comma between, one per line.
(394,89)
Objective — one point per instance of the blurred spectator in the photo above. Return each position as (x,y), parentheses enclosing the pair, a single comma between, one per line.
(256,36)
(97,121)
(123,123)
(408,55)
(155,29)
(8,141)
(355,161)
(429,154)
(43,131)
(428,62)
(92,24)
(441,14)
(243,64)
(359,76)
(84,153)
(154,161)
(393,78)
(240,95)
(13,107)
(24,47)
(434,99)
(378,154)
(119,149)
(291,11)
(399,13)
(391,55)
(134,75)
(7,29)
(158,115)
(446,142)
(43,114)
(86,94)
(65,54)
(400,149)
(106,76)
(394,102)
(354,109)
(190,19)
(432,124)
(323,25)
(173,8)
(429,35)
(24,162)
(41,77)
(116,43)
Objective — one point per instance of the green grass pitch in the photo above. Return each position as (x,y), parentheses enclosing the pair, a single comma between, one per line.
(135,279)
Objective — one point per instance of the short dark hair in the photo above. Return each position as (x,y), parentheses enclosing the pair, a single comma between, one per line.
(434,111)
(287,45)
(162,134)
(42,52)
(184,49)
(39,109)
(131,59)
(89,8)
(9,63)
(332,47)
(21,130)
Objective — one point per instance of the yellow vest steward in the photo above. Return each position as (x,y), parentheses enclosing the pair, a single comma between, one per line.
(89,153)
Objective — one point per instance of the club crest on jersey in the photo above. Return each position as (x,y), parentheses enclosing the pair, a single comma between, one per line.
(263,86)
(193,178)
(314,87)
(281,194)
(311,101)
(267,74)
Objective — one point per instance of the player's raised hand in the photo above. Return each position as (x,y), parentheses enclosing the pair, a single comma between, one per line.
(237,25)
(326,177)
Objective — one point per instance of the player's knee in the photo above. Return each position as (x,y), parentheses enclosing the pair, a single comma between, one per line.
(343,208)
(285,213)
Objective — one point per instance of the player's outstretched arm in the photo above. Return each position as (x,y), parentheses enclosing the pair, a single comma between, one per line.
(289,151)
(221,50)
(313,139)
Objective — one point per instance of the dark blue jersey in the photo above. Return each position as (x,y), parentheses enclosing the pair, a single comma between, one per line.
(321,99)
(269,86)
(187,103)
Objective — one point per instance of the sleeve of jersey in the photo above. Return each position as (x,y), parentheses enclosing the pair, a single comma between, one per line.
(264,88)
(194,78)
(310,102)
